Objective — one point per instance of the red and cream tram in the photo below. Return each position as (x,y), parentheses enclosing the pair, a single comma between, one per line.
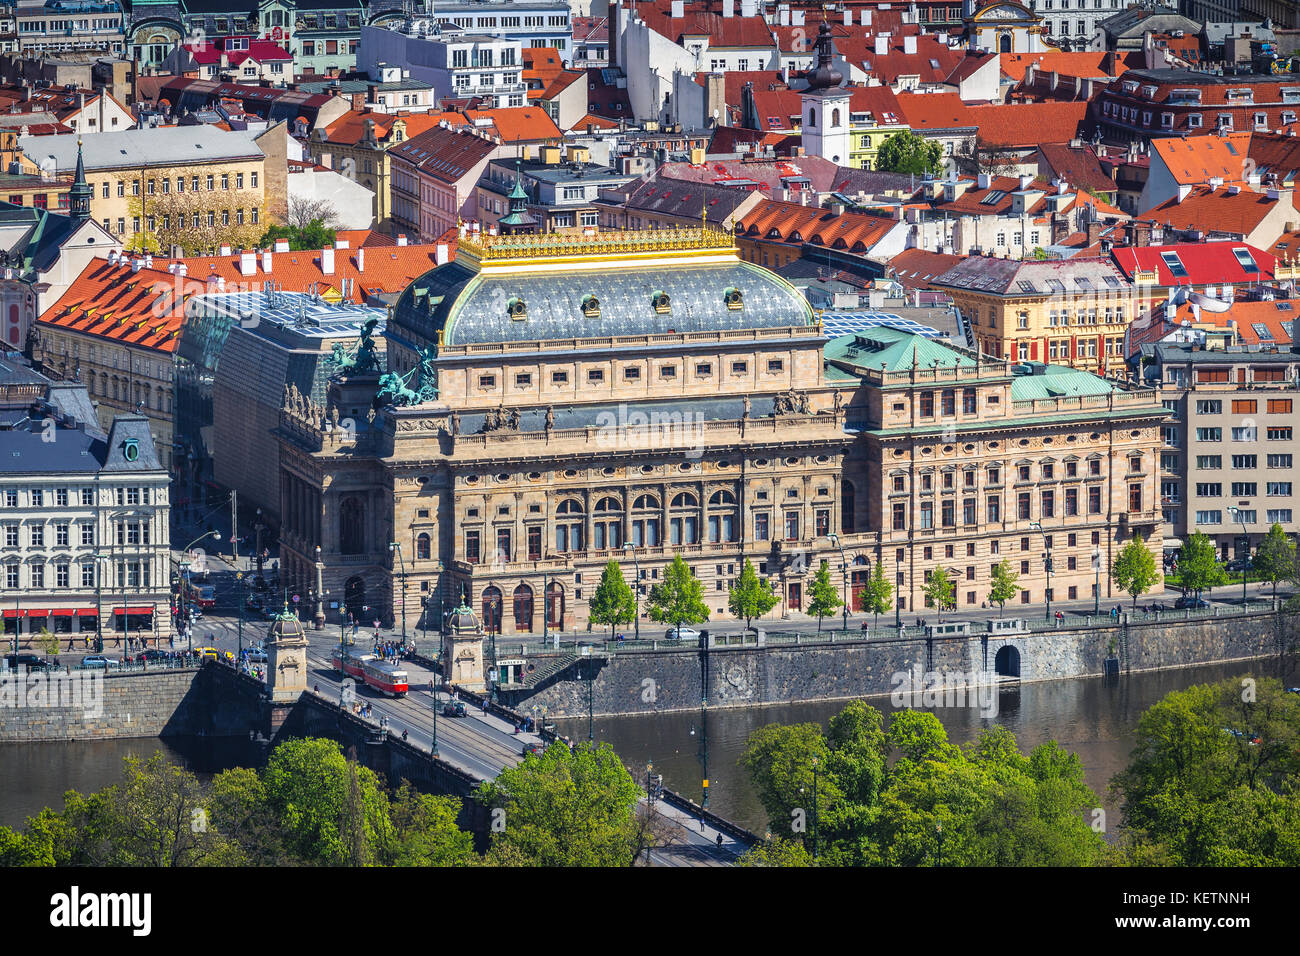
(351,665)
(385,677)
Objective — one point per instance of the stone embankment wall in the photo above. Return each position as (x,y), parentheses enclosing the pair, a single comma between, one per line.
(643,682)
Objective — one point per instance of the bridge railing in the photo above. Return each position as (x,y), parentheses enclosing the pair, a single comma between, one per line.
(1150,613)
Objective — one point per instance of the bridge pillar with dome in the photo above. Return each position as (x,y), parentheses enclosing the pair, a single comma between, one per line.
(462,650)
(286,658)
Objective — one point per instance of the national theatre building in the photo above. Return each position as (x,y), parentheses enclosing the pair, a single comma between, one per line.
(554,401)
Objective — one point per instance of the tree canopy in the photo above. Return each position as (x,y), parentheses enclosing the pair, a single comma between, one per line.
(1134,570)
(613,601)
(679,597)
(751,596)
(906,152)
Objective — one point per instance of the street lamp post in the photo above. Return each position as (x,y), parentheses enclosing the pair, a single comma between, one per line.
(636,587)
(185,573)
(814,809)
(844,578)
(1047,565)
(1096,587)
(318,619)
(493,604)
(239,576)
(397,548)
(1241,520)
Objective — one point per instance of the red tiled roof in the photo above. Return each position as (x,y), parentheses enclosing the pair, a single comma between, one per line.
(260,51)
(734,81)
(590,29)
(1195,160)
(1244,315)
(914,268)
(791,222)
(373,269)
(518,124)
(1077,165)
(1025,125)
(1220,210)
(606,99)
(597,122)
(731,32)
(448,155)
(350,128)
(143,308)
(1206,263)
(1082,63)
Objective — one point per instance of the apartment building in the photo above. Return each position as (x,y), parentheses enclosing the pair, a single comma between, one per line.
(1073,312)
(55,26)
(84,545)
(1229,455)
(192,186)
(460,65)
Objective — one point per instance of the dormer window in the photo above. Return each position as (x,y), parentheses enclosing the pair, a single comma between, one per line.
(517,309)
(661,303)
(591,306)
(734,300)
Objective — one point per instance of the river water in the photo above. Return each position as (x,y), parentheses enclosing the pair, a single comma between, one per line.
(1093,717)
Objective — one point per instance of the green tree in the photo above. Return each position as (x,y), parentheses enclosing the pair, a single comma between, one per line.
(1002,585)
(905,152)
(878,595)
(48,641)
(823,599)
(751,596)
(1275,556)
(1199,568)
(1214,774)
(613,602)
(331,810)
(425,833)
(1134,571)
(315,235)
(679,598)
(780,759)
(564,808)
(940,589)
(778,852)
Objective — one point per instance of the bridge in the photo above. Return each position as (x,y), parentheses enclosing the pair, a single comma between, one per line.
(480,745)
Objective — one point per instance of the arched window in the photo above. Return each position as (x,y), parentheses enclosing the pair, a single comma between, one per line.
(352,520)
(523,609)
(607,531)
(847,507)
(568,526)
(645,527)
(835,118)
(422,547)
(645,503)
(722,523)
(492,609)
(812,117)
(555,604)
(684,528)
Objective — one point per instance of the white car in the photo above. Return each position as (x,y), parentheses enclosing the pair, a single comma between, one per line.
(682,633)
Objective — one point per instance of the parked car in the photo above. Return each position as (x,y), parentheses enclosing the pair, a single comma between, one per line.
(97,662)
(211,652)
(1238,565)
(454,708)
(682,633)
(535,748)
(27,662)
(1189,601)
(153,654)
(256,655)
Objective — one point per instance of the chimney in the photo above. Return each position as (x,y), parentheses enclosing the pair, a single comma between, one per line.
(148,260)
(282,245)
(982,181)
(361,259)
(440,254)
(247,263)
(225,251)
(866,18)
(266,261)
(401,238)
(181,269)
(327,261)
(135,264)
(848,18)
(882,45)
(1234,189)
(679,9)
(1025,180)
(1184,189)
(728,8)
(909,45)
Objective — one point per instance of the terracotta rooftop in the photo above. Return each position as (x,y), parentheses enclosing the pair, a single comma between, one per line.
(142,308)
(1219,210)
(793,223)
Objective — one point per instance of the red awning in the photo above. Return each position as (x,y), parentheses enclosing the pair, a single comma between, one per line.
(134,610)
(26,612)
(87,612)
(64,612)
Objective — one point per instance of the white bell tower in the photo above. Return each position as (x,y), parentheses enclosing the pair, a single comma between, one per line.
(825,107)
